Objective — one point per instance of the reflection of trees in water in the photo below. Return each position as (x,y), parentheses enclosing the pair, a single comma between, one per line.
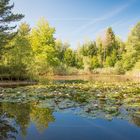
(93,107)
(136,120)
(22,114)
(7,130)
(41,117)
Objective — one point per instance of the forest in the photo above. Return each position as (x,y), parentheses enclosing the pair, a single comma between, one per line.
(30,53)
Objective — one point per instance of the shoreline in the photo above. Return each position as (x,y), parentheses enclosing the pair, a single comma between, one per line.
(95,77)
(98,77)
(16,83)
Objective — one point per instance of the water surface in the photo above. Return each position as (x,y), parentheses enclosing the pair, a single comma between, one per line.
(71,110)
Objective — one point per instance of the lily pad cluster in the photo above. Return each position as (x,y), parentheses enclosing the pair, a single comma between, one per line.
(89,99)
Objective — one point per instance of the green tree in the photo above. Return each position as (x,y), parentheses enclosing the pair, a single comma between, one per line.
(88,49)
(69,57)
(109,62)
(19,56)
(41,117)
(7,17)
(61,48)
(110,48)
(134,38)
(43,45)
(79,61)
(109,42)
(131,56)
(100,51)
(94,63)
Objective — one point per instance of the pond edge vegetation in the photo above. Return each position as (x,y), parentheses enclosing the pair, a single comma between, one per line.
(31,53)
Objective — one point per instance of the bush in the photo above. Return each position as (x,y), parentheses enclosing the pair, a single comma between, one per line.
(64,70)
(119,68)
(105,71)
(135,71)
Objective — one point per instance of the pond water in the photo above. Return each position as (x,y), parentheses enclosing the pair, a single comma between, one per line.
(70,109)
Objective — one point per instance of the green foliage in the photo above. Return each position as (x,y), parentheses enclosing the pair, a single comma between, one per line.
(131,56)
(7,17)
(88,49)
(94,63)
(134,38)
(109,42)
(79,62)
(119,68)
(35,52)
(109,61)
(137,65)
(112,48)
(60,49)
(43,46)
(69,57)
(18,54)
(105,52)
(136,70)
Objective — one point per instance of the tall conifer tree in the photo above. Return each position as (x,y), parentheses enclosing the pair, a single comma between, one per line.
(6,18)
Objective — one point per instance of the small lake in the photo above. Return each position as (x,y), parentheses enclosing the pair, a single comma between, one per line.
(72,108)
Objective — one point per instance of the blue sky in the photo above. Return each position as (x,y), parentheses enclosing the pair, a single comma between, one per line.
(80,20)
